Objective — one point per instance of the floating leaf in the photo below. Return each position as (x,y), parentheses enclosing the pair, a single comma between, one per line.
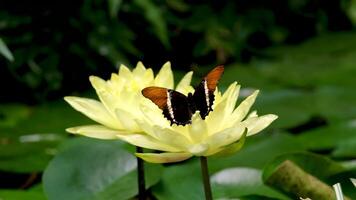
(329,136)
(258,151)
(21,194)
(95,169)
(238,182)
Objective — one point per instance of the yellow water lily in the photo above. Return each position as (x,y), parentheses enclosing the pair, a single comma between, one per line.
(221,129)
(118,111)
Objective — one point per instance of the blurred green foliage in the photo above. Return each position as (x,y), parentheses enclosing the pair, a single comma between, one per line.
(55,46)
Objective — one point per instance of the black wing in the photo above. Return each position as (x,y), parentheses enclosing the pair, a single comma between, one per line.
(203,96)
(174,104)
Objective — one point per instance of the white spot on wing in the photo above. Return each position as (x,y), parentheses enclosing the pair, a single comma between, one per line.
(206,90)
(169,105)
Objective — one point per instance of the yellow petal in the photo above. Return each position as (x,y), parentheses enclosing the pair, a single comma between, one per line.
(152,113)
(198,149)
(164,77)
(252,114)
(241,111)
(125,72)
(184,85)
(171,137)
(198,130)
(223,108)
(226,136)
(256,124)
(94,110)
(103,92)
(234,147)
(95,131)
(139,69)
(232,98)
(216,118)
(127,120)
(163,157)
(147,142)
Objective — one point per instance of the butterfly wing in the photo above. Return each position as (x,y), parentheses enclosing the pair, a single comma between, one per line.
(203,96)
(174,104)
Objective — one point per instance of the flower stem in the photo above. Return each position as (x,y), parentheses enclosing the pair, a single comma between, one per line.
(140,176)
(206,179)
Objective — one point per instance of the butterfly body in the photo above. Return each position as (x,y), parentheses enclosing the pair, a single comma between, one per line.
(177,107)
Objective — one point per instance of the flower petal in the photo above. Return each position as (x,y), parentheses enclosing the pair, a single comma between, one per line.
(234,147)
(163,157)
(95,131)
(226,136)
(127,120)
(125,72)
(171,137)
(256,124)
(152,113)
(94,110)
(223,109)
(139,69)
(216,118)
(147,142)
(145,76)
(103,93)
(198,130)
(184,85)
(164,77)
(241,111)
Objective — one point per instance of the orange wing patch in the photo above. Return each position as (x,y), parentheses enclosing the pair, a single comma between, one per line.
(213,77)
(157,95)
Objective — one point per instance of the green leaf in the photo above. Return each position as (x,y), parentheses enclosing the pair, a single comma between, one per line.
(95,169)
(345,149)
(154,15)
(29,135)
(12,114)
(180,182)
(21,194)
(258,151)
(4,50)
(114,6)
(237,182)
(289,105)
(329,136)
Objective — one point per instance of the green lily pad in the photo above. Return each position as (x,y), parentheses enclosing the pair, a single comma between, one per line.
(12,114)
(21,194)
(346,149)
(180,182)
(335,103)
(292,107)
(329,136)
(95,169)
(29,135)
(258,151)
(237,182)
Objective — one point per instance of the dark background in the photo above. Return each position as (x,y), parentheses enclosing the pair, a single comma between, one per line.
(57,44)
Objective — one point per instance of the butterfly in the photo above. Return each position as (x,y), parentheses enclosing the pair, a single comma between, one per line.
(179,108)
